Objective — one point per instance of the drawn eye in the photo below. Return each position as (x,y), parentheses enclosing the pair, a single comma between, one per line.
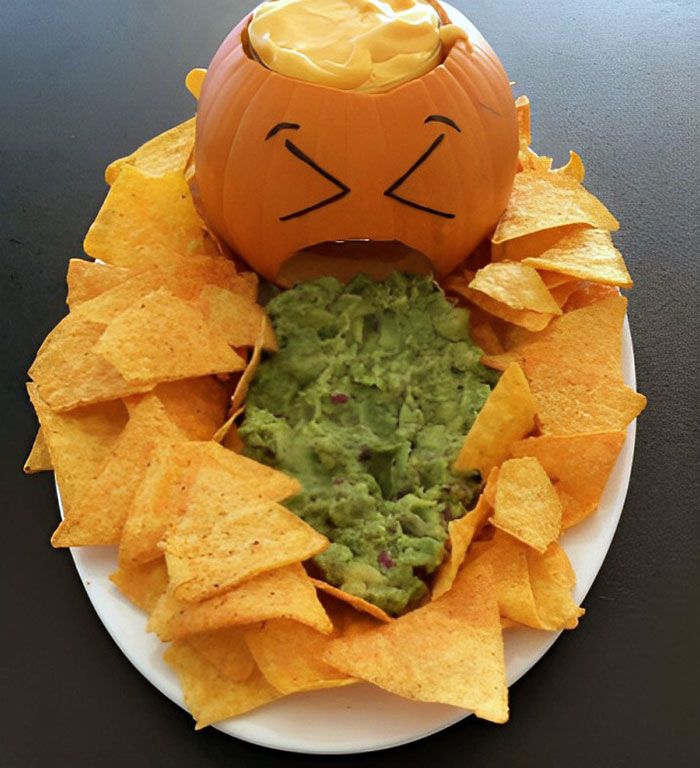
(344,189)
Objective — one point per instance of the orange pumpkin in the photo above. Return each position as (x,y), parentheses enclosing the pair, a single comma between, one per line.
(283,164)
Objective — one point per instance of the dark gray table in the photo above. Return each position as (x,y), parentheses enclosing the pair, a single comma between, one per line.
(84,82)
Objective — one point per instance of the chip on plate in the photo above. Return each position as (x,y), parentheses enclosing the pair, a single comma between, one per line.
(226,650)
(507,415)
(143,584)
(39,459)
(88,279)
(526,505)
(516,285)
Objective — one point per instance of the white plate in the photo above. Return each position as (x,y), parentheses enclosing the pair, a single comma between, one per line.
(358,718)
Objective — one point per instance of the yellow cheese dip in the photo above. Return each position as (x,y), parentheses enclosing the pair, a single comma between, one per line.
(353,45)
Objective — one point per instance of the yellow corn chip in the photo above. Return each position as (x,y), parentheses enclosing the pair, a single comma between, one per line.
(574,167)
(358,603)
(236,317)
(578,465)
(532,244)
(574,371)
(79,441)
(547,200)
(290,655)
(39,459)
(88,279)
(527,506)
(286,593)
(210,696)
(589,293)
(462,533)
(554,280)
(561,293)
(143,584)
(552,578)
(146,220)
(507,415)
(162,338)
(489,492)
(515,285)
(98,515)
(198,406)
(68,372)
(483,331)
(448,651)
(533,321)
(226,650)
(227,536)
(587,254)
(243,385)
(162,154)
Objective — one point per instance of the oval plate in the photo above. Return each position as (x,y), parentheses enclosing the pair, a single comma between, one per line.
(358,718)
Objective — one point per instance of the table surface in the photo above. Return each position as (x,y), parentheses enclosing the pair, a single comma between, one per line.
(84,82)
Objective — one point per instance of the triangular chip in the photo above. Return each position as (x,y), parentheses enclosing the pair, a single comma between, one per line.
(587,254)
(160,155)
(227,536)
(526,318)
(238,318)
(145,221)
(98,515)
(290,655)
(143,584)
(88,279)
(516,285)
(358,603)
(578,465)
(69,373)
(507,415)
(532,244)
(243,385)
(552,578)
(461,533)
(210,696)
(527,506)
(163,338)
(39,459)
(79,441)
(448,651)
(226,650)
(286,593)
(589,293)
(574,371)
(548,200)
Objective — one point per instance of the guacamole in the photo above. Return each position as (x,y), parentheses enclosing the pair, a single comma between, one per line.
(367,403)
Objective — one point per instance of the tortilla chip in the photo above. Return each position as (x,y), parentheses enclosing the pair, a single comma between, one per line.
(286,593)
(241,391)
(586,254)
(145,221)
(548,200)
(533,321)
(69,374)
(483,332)
(489,492)
(578,465)
(210,696)
(461,533)
(515,285)
(198,406)
(39,459)
(159,156)
(554,280)
(143,584)
(227,536)
(527,506)
(162,338)
(562,292)
(574,370)
(507,415)
(109,304)
(236,317)
(232,439)
(552,579)
(448,651)
(88,279)
(589,293)
(226,650)
(98,515)
(533,589)
(79,441)
(573,168)
(358,603)
(532,244)
(222,432)
(290,655)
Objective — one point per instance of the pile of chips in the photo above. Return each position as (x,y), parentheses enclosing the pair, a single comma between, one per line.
(138,389)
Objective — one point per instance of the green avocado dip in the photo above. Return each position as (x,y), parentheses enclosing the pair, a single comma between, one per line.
(367,403)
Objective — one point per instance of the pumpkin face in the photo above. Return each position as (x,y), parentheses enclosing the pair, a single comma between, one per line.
(282,164)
